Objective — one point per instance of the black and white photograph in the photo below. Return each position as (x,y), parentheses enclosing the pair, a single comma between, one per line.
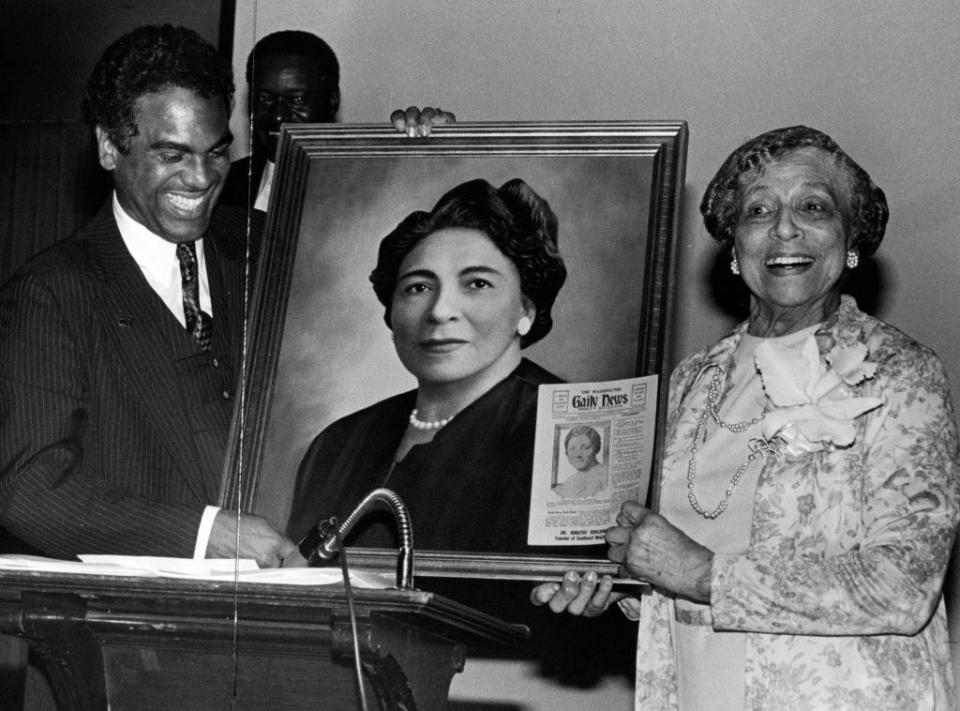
(303,305)
(581,461)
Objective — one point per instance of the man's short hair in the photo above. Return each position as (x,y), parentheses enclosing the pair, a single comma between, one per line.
(147,60)
(303,44)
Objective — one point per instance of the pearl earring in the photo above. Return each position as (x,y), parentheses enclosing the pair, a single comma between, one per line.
(853,259)
(734,264)
(524,325)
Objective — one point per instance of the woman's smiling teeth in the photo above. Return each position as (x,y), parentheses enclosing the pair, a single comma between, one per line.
(788,261)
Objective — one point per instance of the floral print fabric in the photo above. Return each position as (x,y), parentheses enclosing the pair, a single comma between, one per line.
(839,592)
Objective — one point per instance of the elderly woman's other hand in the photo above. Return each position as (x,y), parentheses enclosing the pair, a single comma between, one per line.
(577,595)
(420,122)
(652,549)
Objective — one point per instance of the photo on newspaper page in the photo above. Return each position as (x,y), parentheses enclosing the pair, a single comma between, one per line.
(593,451)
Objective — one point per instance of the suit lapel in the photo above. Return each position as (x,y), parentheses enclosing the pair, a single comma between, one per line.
(132,317)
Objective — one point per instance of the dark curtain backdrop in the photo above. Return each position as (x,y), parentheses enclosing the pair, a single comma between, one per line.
(50,182)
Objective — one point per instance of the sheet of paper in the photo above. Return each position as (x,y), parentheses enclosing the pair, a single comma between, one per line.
(593,451)
(223,569)
(186,567)
(244,570)
(54,565)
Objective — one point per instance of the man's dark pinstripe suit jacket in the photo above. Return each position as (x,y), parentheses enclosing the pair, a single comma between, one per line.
(101,449)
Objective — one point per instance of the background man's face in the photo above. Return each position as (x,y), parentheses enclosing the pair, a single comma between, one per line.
(286,88)
(170,178)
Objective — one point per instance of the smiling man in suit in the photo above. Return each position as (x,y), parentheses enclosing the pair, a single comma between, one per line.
(120,346)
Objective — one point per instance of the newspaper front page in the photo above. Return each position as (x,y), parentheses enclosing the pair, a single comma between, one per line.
(593,451)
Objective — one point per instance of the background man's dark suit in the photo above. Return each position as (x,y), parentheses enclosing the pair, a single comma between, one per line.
(240,189)
(94,359)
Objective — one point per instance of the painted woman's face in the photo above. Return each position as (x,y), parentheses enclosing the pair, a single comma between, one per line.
(455,309)
(580,452)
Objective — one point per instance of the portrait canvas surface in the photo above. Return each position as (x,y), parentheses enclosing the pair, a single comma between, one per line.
(319,348)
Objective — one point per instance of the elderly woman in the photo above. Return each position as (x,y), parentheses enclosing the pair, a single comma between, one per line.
(582,445)
(465,288)
(810,485)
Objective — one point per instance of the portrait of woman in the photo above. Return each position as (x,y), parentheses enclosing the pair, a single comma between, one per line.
(581,445)
(810,484)
(465,287)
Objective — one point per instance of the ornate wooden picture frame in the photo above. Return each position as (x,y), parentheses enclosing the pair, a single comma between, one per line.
(318,348)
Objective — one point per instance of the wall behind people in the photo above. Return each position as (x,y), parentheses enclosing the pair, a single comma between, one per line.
(50,46)
(879,77)
(731,71)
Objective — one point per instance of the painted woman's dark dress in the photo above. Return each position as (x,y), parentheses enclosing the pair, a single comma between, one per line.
(469,490)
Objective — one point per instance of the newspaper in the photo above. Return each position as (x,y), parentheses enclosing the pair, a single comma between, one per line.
(593,451)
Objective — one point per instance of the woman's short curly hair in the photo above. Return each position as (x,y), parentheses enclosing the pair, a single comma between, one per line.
(147,60)
(516,219)
(865,209)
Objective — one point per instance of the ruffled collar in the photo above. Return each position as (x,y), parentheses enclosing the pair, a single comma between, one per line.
(810,388)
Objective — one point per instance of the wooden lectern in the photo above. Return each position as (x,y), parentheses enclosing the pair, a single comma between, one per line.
(161,643)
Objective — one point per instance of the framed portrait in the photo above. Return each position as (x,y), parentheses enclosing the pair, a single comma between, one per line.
(318,345)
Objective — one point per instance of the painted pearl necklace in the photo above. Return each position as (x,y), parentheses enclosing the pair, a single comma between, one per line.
(427,425)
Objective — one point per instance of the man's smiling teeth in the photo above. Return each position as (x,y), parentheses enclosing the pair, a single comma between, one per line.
(185,203)
(788,261)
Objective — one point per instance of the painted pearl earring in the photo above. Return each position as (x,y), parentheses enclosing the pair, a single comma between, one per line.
(524,325)
(734,265)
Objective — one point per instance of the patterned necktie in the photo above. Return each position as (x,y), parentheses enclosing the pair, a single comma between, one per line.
(199,323)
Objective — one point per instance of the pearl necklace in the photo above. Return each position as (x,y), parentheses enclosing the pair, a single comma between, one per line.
(426,425)
(714,391)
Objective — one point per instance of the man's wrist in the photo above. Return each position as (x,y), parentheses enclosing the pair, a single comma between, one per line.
(203,531)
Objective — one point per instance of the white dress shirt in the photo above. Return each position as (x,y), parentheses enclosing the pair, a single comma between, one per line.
(266,184)
(157,259)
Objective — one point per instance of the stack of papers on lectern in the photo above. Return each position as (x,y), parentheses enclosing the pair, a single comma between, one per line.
(222,569)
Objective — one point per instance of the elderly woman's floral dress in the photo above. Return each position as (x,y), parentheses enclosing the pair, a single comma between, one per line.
(835,601)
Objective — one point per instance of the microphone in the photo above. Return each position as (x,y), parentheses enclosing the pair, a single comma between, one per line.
(321,542)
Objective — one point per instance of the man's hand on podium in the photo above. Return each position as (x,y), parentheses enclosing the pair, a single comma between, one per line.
(258,540)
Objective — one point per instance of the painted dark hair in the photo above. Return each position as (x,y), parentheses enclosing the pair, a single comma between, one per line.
(866,206)
(517,220)
(148,60)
